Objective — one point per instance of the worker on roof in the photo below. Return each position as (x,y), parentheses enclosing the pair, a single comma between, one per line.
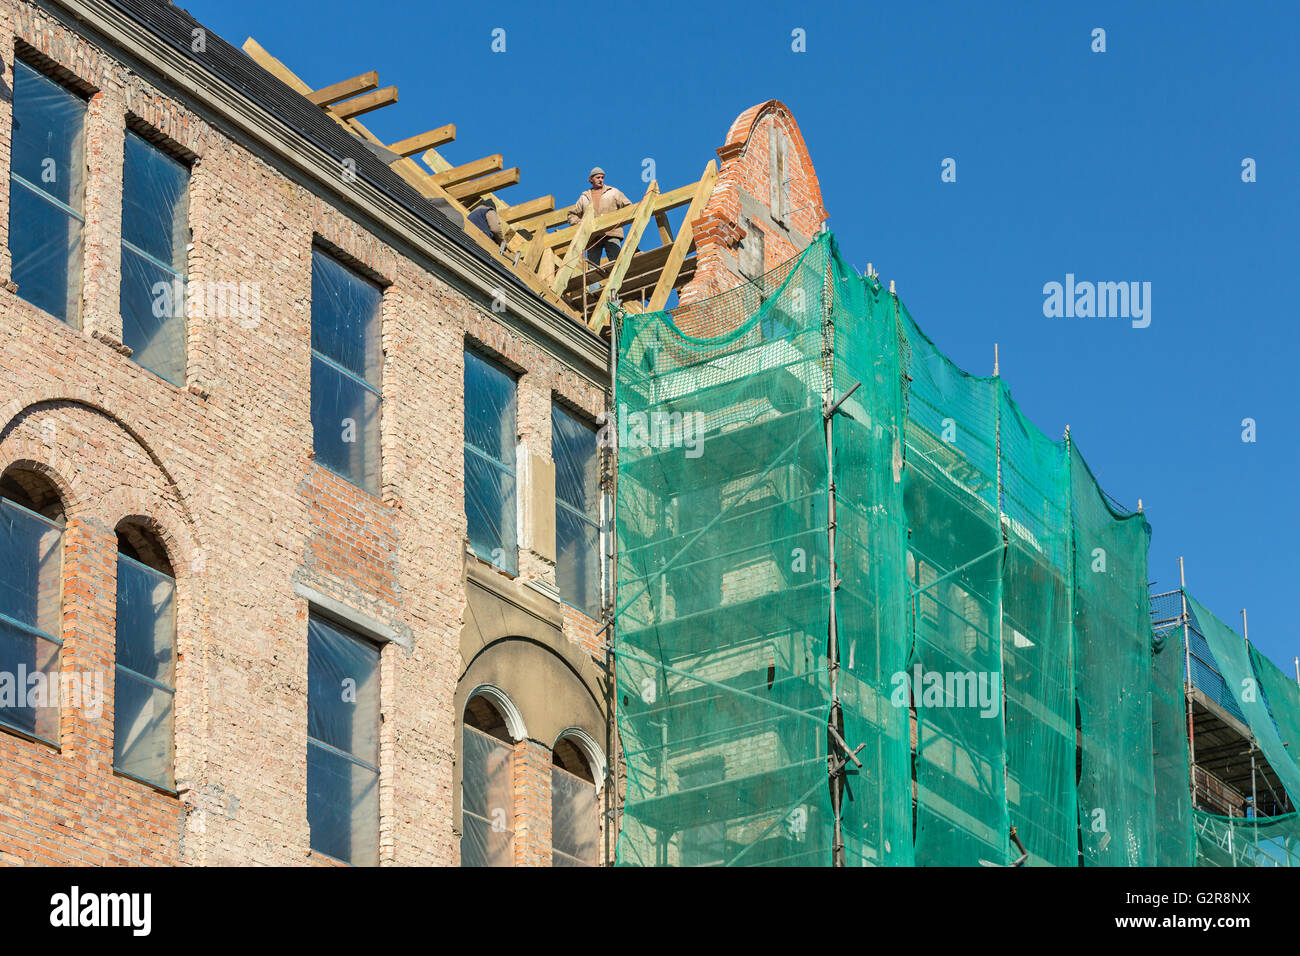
(484,217)
(604,199)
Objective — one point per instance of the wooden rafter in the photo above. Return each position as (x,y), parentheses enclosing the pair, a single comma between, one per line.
(549,262)
(460,174)
(645,209)
(520,212)
(577,249)
(405,167)
(425,141)
(685,238)
(366,103)
(469,193)
(328,95)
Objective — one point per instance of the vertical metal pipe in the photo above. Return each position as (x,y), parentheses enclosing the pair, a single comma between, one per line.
(612,822)
(1187,679)
(832,632)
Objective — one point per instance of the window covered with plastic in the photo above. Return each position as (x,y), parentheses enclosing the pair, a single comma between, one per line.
(577,511)
(487,800)
(345,371)
(490,461)
(155,233)
(145,674)
(46,187)
(31,592)
(342,744)
(575,824)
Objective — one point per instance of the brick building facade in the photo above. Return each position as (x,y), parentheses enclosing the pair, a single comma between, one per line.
(212,480)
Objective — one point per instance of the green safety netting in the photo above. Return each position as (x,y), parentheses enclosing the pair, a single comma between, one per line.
(1254,690)
(1175,835)
(991,604)
(1240,841)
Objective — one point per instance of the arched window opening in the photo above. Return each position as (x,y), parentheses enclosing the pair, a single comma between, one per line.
(145,672)
(31,604)
(487,787)
(575,813)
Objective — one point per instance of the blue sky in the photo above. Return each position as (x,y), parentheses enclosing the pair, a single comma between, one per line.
(1117,166)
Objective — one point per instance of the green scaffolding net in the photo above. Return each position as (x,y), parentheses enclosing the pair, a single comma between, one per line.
(1240,841)
(988,604)
(1262,694)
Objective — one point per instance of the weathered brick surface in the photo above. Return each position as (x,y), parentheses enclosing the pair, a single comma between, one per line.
(745,166)
(223,468)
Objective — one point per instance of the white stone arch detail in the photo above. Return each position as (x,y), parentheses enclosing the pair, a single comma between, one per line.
(509,712)
(590,749)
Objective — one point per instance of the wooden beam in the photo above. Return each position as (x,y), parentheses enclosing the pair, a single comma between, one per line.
(409,170)
(546,267)
(619,217)
(345,88)
(645,210)
(468,171)
(533,252)
(685,238)
(417,144)
(275,67)
(470,192)
(577,249)
(364,103)
(526,210)
(665,228)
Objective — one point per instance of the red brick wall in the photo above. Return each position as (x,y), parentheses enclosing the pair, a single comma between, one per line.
(745,166)
(224,467)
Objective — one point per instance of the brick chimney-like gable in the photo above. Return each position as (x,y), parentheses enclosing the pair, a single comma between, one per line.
(766,207)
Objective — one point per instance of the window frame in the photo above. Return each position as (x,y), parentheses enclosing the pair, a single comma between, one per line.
(511,566)
(597,523)
(38,635)
(74,306)
(169,787)
(378,647)
(349,375)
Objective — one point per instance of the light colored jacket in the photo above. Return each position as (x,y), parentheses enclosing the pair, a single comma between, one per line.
(610,199)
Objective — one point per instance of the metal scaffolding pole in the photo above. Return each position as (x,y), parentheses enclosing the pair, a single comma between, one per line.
(1187,680)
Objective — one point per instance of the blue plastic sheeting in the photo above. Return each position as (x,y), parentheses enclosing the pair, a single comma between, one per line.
(155,232)
(575,821)
(46,191)
(487,800)
(1233,661)
(342,744)
(490,462)
(345,371)
(31,591)
(577,511)
(144,686)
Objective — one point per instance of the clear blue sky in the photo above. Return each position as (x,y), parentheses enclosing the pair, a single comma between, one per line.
(1115,166)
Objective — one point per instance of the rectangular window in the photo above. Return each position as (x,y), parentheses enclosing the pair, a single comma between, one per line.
(31,614)
(342,744)
(155,233)
(577,511)
(345,371)
(487,800)
(490,461)
(46,191)
(145,675)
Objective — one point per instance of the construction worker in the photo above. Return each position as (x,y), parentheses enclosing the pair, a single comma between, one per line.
(484,217)
(604,199)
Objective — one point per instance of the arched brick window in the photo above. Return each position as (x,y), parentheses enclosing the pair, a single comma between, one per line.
(488,780)
(145,661)
(31,604)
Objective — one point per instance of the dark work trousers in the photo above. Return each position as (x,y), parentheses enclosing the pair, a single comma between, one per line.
(607,244)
